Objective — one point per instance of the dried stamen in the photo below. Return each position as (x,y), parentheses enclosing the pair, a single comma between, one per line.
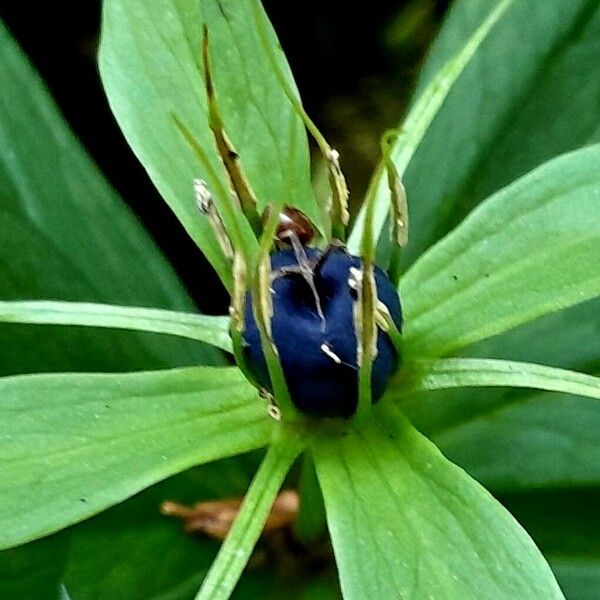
(206,205)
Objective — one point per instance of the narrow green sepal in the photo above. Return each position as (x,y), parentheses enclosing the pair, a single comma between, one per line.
(262,306)
(229,156)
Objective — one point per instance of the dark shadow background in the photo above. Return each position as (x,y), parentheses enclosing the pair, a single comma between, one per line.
(354,68)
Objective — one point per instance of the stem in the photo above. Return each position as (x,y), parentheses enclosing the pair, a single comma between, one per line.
(248,525)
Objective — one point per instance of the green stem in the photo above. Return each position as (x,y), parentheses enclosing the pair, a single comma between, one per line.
(210,330)
(248,525)
(395,265)
(237,342)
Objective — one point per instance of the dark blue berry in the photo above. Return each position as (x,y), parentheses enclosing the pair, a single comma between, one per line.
(321,383)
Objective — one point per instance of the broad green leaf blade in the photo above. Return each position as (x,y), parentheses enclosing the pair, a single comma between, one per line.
(417,122)
(531,249)
(566,526)
(67,235)
(578,576)
(120,553)
(508,112)
(150,66)
(202,328)
(519,442)
(75,444)
(248,525)
(568,338)
(515,438)
(514,107)
(448,373)
(406,523)
(511,439)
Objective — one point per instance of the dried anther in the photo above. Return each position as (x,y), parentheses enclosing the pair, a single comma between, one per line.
(326,348)
(206,205)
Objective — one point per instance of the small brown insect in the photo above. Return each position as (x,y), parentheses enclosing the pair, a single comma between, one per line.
(295,230)
(293,221)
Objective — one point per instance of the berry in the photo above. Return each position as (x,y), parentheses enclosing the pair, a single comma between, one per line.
(313,329)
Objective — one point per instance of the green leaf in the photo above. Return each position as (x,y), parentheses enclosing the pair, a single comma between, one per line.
(566,526)
(514,107)
(427,375)
(510,439)
(417,122)
(520,442)
(211,330)
(249,522)
(531,249)
(568,338)
(120,553)
(67,235)
(75,444)
(515,438)
(498,123)
(150,66)
(405,522)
